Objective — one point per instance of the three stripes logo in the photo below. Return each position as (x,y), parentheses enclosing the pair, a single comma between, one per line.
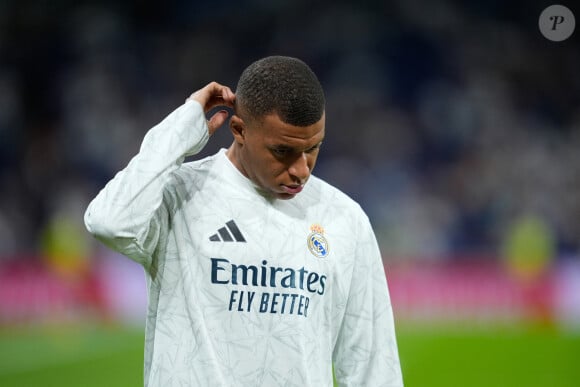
(229,233)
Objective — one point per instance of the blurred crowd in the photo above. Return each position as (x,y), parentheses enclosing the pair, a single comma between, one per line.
(455,125)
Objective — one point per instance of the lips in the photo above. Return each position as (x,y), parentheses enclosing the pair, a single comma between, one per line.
(292,189)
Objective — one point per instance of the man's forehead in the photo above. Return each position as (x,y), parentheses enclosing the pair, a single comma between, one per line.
(273,122)
(275,128)
(299,140)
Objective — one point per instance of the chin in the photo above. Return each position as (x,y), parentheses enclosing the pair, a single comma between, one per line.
(284,196)
(280,195)
(272,194)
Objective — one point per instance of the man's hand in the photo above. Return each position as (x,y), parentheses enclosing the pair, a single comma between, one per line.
(211,96)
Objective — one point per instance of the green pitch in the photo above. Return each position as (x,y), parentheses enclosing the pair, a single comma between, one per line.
(113,356)
(489,357)
(72,356)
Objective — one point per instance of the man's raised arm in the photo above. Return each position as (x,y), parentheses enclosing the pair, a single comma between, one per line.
(128,214)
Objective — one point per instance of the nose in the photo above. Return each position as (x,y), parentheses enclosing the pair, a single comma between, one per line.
(300,169)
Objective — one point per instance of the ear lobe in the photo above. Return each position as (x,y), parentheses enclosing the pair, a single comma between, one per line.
(238,128)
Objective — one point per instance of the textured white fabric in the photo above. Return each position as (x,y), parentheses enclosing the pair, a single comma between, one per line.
(252,304)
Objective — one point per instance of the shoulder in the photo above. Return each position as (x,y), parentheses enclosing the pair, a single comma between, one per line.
(334,199)
(191,175)
(199,167)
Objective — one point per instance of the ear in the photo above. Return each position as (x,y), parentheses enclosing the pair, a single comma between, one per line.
(238,128)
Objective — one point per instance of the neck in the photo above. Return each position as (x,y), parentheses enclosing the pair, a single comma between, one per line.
(233,154)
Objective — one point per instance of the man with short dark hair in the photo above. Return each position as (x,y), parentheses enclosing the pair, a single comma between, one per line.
(258,273)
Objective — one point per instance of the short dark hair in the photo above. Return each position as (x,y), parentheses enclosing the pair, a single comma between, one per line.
(282,85)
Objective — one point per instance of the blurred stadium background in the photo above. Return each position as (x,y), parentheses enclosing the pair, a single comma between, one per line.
(455,124)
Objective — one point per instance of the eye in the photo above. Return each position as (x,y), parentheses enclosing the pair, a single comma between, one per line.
(280,152)
(314,148)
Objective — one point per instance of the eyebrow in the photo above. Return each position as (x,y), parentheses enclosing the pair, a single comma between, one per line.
(294,149)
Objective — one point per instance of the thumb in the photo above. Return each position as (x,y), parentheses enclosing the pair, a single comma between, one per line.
(217,120)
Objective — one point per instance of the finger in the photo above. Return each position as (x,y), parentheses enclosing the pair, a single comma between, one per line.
(217,120)
(221,96)
(217,101)
(217,89)
(228,95)
(212,95)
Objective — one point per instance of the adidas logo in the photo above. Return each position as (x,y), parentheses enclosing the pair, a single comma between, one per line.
(228,233)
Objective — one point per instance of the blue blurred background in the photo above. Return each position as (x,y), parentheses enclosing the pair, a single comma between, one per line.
(455,124)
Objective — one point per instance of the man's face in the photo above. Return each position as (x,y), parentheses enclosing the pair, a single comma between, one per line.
(276,156)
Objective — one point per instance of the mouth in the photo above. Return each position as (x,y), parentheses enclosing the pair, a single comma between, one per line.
(292,189)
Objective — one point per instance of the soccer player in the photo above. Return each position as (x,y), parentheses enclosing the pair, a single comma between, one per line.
(258,273)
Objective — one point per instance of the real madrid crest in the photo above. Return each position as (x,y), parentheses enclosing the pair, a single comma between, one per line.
(317,243)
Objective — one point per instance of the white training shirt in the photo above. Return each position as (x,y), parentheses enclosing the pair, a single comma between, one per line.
(246,290)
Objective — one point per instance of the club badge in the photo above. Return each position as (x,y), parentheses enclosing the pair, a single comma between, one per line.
(317,243)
